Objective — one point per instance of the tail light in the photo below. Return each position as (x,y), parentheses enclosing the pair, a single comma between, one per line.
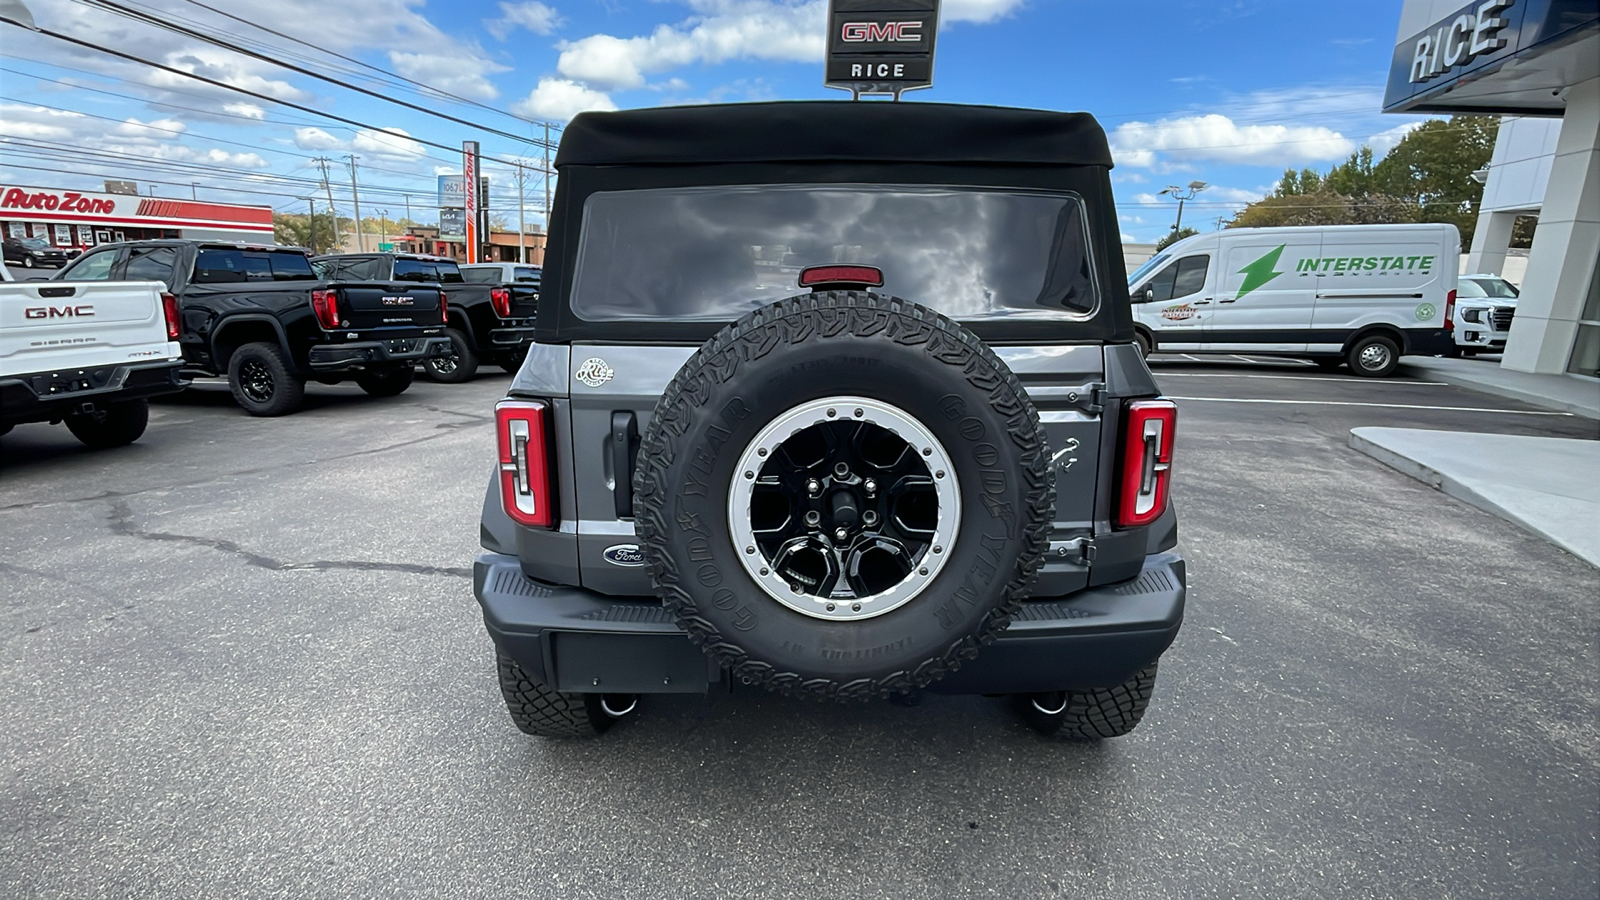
(444,308)
(526,462)
(1450,311)
(326,305)
(825,276)
(169,308)
(1150,427)
(501,298)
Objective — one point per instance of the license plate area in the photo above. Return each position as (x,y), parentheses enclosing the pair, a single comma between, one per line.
(628,664)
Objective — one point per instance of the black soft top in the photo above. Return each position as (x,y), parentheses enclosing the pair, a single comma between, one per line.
(834,130)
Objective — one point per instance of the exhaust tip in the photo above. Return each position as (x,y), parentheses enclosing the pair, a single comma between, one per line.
(1052,704)
(618,705)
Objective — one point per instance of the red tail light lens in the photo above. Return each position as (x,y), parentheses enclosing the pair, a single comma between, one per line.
(1146,475)
(501,298)
(169,308)
(526,462)
(818,275)
(1450,311)
(326,305)
(444,308)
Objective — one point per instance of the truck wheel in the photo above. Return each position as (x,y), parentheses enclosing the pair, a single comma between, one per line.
(859,529)
(456,368)
(390,383)
(27,262)
(542,712)
(1090,715)
(1374,356)
(1147,346)
(118,424)
(261,382)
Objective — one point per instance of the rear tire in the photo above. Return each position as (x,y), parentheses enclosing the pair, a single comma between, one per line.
(542,712)
(117,425)
(261,382)
(27,262)
(1090,715)
(459,366)
(1374,356)
(1147,346)
(391,383)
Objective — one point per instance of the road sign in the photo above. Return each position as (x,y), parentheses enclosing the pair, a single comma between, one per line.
(881,46)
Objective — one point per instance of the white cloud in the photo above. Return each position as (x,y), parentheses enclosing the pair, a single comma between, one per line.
(559,100)
(311,138)
(1217,137)
(35,122)
(532,15)
(1384,141)
(449,72)
(247,110)
(391,142)
(157,129)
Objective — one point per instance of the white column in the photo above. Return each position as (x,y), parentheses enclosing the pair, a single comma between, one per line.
(1566,245)
(1490,240)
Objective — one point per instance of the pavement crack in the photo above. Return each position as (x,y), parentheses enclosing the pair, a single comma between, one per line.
(122,523)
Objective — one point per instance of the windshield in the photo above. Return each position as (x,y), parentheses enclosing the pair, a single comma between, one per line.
(1499,288)
(1147,268)
(713,254)
(34,243)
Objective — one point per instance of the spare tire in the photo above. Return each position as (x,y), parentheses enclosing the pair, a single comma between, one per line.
(843,495)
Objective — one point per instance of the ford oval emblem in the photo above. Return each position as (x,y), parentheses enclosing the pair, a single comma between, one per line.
(624,555)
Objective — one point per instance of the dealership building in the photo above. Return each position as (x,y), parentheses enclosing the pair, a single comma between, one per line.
(1538,60)
(81,219)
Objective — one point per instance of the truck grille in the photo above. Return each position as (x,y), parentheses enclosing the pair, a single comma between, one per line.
(1500,317)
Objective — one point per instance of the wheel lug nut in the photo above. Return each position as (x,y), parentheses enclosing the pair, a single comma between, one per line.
(813,486)
(813,517)
(840,534)
(841,470)
(870,517)
(870,485)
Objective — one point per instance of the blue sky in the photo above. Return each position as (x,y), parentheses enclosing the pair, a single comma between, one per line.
(1229,93)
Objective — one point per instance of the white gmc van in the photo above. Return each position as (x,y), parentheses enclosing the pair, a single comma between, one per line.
(1362,295)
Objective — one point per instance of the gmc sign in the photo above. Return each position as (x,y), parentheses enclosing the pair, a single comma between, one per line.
(881,46)
(58,312)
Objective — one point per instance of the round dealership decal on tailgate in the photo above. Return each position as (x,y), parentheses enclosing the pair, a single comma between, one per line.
(594,372)
(624,555)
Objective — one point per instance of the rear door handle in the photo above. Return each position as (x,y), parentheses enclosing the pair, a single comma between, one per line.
(624,447)
(1202,302)
(1229,301)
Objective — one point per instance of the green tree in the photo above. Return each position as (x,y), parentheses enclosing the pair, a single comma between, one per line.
(295,230)
(1173,237)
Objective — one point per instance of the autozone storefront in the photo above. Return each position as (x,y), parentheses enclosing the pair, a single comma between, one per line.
(81,219)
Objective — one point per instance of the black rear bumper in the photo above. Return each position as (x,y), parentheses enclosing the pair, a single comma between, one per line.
(583,642)
(48,396)
(363,354)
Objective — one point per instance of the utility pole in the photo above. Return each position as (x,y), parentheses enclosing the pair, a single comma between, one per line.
(522,221)
(194,190)
(383,227)
(355,200)
(312,203)
(322,161)
(547,181)
(408,207)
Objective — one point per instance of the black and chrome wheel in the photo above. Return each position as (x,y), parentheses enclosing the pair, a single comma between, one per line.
(261,382)
(456,368)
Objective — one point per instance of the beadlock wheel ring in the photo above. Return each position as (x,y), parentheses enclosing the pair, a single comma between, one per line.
(832,464)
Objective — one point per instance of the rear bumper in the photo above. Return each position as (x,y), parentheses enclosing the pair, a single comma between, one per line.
(512,337)
(1429,342)
(338,357)
(579,641)
(47,396)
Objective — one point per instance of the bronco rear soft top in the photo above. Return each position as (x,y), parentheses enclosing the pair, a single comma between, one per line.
(834,131)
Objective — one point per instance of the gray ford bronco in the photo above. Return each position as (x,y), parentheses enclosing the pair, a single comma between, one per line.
(838,399)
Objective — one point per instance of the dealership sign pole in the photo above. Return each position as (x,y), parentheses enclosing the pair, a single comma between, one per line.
(469,195)
(881,46)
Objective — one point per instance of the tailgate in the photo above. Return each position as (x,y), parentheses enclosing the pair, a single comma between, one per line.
(52,325)
(399,304)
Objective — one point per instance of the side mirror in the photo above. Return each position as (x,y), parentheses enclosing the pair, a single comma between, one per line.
(1148,295)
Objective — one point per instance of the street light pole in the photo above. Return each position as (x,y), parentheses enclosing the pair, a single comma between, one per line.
(355,200)
(1181,194)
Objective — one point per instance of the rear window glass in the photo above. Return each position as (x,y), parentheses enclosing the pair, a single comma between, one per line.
(1498,288)
(219,266)
(528,275)
(427,270)
(481,276)
(713,254)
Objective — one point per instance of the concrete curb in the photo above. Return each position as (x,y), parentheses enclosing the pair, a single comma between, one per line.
(1494,388)
(1454,488)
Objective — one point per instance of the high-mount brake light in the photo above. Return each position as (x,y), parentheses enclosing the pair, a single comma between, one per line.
(1450,311)
(326,305)
(526,460)
(169,308)
(1146,477)
(813,276)
(501,299)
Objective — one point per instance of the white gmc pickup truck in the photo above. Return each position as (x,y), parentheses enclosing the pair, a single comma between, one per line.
(86,353)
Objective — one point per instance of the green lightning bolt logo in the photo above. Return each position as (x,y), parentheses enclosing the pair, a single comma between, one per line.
(1260,272)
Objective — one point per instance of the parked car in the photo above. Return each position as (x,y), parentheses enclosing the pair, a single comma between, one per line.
(1357,295)
(89,354)
(30,252)
(260,316)
(523,281)
(487,323)
(1485,306)
(735,454)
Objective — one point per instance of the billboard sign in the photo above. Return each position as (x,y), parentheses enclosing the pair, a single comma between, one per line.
(452,225)
(881,46)
(451,195)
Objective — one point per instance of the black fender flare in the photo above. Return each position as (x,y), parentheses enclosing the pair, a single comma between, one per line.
(227,322)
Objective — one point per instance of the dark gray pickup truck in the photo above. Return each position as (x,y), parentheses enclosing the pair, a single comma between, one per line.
(837,399)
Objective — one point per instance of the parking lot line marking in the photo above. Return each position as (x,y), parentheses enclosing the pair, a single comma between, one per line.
(1513,412)
(1371,381)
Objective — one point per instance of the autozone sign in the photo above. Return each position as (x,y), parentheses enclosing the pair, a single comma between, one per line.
(881,46)
(62,201)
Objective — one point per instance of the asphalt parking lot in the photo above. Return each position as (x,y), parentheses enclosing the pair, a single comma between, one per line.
(242,658)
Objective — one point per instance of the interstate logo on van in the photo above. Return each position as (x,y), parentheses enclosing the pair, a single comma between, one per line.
(1347,265)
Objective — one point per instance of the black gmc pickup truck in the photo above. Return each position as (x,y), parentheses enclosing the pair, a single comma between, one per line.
(260,316)
(488,323)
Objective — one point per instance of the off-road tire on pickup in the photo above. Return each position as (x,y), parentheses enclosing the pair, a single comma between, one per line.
(1090,715)
(388,383)
(261,381)
(883,350)
(543,712)
(1373,356)
(119,424)
(459,366)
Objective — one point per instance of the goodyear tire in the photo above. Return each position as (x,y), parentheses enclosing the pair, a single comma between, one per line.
(843,495)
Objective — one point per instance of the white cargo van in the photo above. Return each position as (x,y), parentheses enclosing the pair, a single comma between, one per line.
(1362,295)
